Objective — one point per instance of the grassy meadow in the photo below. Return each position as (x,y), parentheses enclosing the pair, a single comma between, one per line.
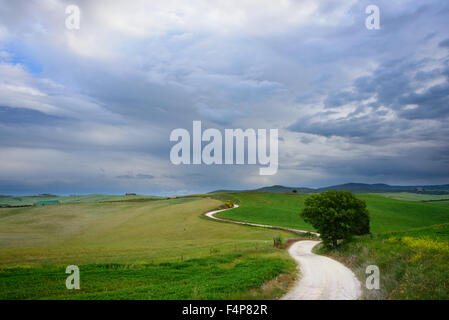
(159,249)
(278,209)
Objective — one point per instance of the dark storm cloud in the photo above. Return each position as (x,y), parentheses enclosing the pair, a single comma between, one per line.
(92,110)
(366,128)
(392,87)
(137,176)
(433,103)
(19,116)
(444,43)
(383,168)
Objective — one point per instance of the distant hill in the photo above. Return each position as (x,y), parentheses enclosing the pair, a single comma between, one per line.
(354,187)
(363,187)
(282,189)
(271,189)
(381,187)
(227,191)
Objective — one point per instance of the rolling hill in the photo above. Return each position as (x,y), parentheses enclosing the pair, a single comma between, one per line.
(354,187)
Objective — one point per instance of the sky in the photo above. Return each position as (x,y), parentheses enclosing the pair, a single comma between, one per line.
(91,110)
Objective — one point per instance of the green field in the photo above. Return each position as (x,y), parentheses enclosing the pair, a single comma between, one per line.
(416,196)
(386,214)
(159,249)
(14,201)
(267,208)
(228,276)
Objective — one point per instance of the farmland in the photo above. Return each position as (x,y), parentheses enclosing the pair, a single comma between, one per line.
(416,196)
(134,250)
(14,201)
(149,248)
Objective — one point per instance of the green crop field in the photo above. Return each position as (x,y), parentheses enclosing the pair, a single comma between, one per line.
(267,208)
(160,249)
(386,214)
(13,201)
(416,196)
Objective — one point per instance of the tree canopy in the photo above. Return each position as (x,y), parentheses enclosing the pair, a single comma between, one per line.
(336,215)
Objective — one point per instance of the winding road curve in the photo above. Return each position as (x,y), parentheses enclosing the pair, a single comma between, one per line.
(322,278)
(211,215)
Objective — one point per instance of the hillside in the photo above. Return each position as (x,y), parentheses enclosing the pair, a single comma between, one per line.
(271,189)
(387,215)
(353,187)
(381,187)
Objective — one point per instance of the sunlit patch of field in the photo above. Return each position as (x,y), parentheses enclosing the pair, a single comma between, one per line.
(386,214)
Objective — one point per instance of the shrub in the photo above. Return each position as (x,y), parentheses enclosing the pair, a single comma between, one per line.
(277,241)
(229,204)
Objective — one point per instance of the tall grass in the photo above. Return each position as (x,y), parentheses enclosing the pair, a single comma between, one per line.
(413,264)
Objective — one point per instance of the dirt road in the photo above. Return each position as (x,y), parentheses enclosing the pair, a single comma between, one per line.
(321,278)
(212,216)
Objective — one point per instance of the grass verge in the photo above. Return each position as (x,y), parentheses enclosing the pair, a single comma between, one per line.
(413,264)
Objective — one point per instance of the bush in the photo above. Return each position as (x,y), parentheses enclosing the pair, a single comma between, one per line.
(336,215)
(229,204)
(277,241)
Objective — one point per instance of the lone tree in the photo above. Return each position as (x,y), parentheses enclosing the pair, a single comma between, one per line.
(336,215)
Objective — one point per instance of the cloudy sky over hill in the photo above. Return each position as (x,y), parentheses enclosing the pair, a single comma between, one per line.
(91,110)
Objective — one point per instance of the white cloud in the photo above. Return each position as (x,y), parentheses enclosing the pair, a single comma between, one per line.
(155,18)
(20,89)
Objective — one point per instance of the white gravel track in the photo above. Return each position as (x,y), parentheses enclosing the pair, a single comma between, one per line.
(211,215)
(321,278)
